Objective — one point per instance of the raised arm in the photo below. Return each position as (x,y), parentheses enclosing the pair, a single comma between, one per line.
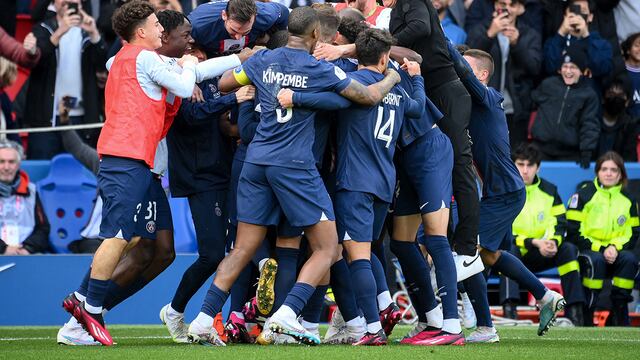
(476,89)
(417,100)
(372,94)
(161,73)
(320,101)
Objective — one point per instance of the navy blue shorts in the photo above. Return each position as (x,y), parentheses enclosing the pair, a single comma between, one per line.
(425,175)
(123,184)
(497,214)
(359,216)
(155,213)
(267,192)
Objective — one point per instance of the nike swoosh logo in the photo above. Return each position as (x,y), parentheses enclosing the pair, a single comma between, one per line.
(466,264)
(6,267)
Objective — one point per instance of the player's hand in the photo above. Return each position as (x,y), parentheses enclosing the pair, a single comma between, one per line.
(610,254)
(391,73)
(411,67)
(187,58)
(245,93)
(30,43)
(246,53)
(197,96)
(285,97)
(327,51)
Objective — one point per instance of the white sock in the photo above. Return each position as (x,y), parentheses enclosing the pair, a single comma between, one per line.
(309,325)
(384,300)
(434,317)
(261,263)
(203,320)
(374,327)
(285,312)
(354,323)
(80,296)
(452,326)
(93,309)
(465,298)
(73,322)
(171,312)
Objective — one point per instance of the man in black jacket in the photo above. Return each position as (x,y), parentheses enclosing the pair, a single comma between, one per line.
(72,52)
(415,25)
(517,52)
(566,126)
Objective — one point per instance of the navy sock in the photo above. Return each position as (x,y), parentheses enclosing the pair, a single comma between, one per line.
(343,290)
(213,301)
(513,268)
(312,311)
(299,296)
(286,275)
(116,294)
(416,273)
(84,285)
(379,274)
(364,284)
(96,292)
(476,287)
(377,248)
(240,289)
(438,248)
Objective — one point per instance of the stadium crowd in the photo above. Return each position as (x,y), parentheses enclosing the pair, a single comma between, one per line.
(304,134)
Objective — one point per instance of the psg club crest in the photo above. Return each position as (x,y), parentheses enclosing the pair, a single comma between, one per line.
(151,227)
(541,216)
(218,210)
(621,220)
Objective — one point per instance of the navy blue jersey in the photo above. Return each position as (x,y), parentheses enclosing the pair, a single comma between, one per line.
(209,32)
(367,137)
(411,130)
(634,107)
(285,137)
(248,120)
(489,133)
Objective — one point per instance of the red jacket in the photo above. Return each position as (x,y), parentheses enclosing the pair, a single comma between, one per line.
(11,49)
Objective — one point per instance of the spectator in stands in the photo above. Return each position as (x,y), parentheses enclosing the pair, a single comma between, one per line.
(481,11)
(574,31)
(24,228)
(26,54)
(8,74)
(376,15)
(603,224)
(454,32)
(72,51)
(566,126)
(619,130)
(631,52)
(517,53)
(538,233)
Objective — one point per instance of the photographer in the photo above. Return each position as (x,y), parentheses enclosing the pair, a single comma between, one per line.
(517,51)
(575,30)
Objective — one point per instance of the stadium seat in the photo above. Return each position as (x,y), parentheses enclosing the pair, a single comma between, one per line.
(67,195)
(184,232)
(36,169)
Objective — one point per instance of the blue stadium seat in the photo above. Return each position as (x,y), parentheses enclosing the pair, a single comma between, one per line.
(36,169)
(67,195)
(184,233)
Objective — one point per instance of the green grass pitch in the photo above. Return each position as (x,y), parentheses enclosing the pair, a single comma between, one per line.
(152,342)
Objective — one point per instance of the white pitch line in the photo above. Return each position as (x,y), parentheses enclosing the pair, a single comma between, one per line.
(53,338)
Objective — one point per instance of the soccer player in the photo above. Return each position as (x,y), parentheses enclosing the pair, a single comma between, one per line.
(279,171)
(365,171)
(539,233)
(503,197)
(224,27)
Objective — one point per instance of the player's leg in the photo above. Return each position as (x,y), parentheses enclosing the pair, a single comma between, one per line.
(625,269)
(455,103)
(123,184)
(310,315)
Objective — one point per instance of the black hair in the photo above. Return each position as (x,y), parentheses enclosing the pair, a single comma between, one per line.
(627,44)
(241,10)
(371,44)
(130,16)
(527,152)
(302,21)
(329,20)
(350,28)
(278,39)
(171,19)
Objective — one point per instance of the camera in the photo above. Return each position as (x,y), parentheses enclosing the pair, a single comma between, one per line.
(502,10)
(74,7)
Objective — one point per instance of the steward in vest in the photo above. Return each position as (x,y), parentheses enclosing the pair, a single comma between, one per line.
(538,232)
(24,228)
(603,223)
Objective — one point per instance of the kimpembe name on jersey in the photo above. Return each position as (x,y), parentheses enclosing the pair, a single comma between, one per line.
(270,76)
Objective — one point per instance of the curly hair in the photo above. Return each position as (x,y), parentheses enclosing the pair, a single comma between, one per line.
(350,28)
(131,16)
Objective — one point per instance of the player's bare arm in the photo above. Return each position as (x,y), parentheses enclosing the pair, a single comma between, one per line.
(372,94)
